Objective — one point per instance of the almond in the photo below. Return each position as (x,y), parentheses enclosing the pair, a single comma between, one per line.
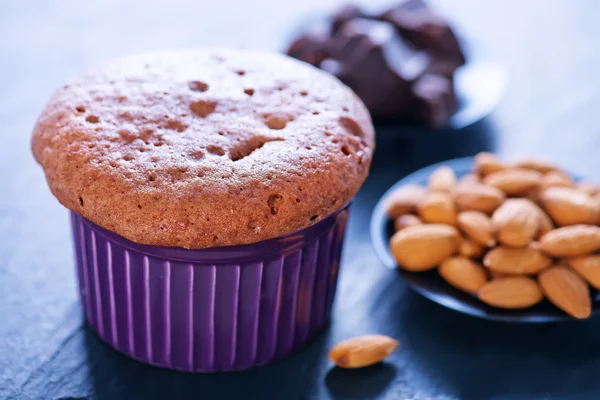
(470,249)
(423,247)
(487,163)
(568,206)
(437,208)
(567,291)
(544,221)
(535,165)
(362,351)
(510,260)
(469,178)
(590,188)
(511,292)
(588,267)
(442,179)
(514,181)
(463,273)
(516,222)
(477,226)
(406,220)
(478,197)
(571,241)
(404,200)
(554,179)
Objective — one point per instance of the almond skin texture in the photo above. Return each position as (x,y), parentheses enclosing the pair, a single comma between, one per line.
(437,208)
(544,221)
(514,181)
(423,247)
(588,267)
(470,249)
(511,292)
(406,220)
(362,351)
(535,165)
(478,227)
(567,291)
(571,241)
(442,179)
(478,197)
(568,206)
(556,178)
(590,188)
(463,274)
(404,200)
(487,163)
(511,260)
(516,222)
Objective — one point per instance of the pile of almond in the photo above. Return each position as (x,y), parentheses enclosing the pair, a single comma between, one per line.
(511,234)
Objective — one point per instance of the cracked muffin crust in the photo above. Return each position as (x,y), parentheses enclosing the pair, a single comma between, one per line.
(204,148)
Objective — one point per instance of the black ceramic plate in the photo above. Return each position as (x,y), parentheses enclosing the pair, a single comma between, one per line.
(431,285)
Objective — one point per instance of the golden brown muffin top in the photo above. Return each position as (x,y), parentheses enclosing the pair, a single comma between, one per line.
(204,148)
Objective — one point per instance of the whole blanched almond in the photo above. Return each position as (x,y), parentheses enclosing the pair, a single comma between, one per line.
(516,260)
(437,208)
(362,351)
(423,247)
(406,220)
(571,241)
(556,179)
(487,163)
(567,291)
(470,249)
(463,273)
(477,197)
(442,179)
(477,226)
(540,166)
(513,181)
(590,188)
(404,200)
(588,267)
(568,206)
(511,292)
(516,222)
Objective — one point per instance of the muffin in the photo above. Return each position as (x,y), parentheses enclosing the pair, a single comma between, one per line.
(209,192)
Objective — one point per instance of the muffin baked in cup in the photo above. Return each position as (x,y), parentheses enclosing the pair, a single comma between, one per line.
(209,192)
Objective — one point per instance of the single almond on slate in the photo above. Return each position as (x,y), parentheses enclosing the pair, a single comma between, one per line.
(478,197)
(470,249)
(556,179)
(567,291)
(535,165)
(406,220)
(442,179)
(437,208)
(423,247)
(588,267)
(568,206)
(513,181)
(516,260)
(477,226)
(463,273)
(511,292)
(362,351)
(404,200)
(516,222)
(487,163)
(571,241)
(590,188)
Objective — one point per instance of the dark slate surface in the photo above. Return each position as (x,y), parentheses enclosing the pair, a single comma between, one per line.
(47,352)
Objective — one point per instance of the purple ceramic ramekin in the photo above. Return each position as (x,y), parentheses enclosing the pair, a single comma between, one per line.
(217,309)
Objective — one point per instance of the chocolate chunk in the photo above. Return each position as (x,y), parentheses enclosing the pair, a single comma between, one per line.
(400,63)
